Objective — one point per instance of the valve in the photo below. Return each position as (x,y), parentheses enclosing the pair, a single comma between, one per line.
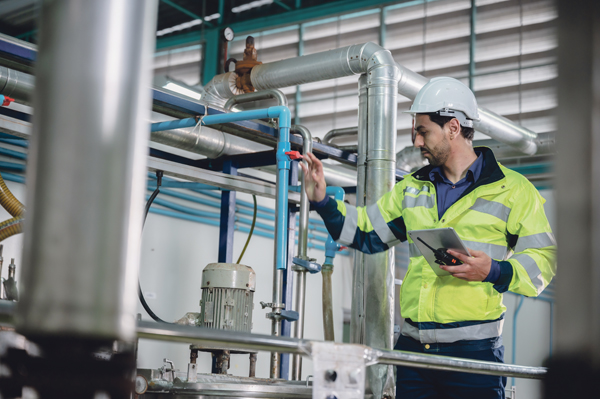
(5,100)
(309,264)
(294,155)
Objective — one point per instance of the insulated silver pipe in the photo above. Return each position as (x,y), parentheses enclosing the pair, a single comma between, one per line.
(257,342)
(209,142)
(15,84)
(357,59)
(357,321)
(221,88)
(307,143)
(300,273)
(347,131)
(87,167)
(257,96)
(380,176)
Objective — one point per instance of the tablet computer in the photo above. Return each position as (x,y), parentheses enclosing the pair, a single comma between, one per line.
(445,237)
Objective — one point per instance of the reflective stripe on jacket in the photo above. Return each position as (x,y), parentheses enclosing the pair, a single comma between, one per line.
(501,214)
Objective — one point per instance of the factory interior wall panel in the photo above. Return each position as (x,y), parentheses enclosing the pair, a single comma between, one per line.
(174,253)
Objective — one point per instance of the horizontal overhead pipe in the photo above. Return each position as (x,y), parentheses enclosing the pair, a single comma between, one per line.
(17,85)
(345,61)
(257,96)
(357,59)
(343,132)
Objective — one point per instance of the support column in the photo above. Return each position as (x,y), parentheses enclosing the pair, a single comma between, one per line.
(575,366)
(227,225)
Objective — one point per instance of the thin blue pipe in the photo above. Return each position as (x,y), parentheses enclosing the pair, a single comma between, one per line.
(15,167)
(16,142)
(13,154)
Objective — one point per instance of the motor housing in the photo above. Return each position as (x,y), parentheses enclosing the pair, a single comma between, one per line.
(227,297)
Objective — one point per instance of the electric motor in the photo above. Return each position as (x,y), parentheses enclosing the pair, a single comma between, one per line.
(227,296)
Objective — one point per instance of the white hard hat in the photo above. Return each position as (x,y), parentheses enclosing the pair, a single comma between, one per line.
(447,97)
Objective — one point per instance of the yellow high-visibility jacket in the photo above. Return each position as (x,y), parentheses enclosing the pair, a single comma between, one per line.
(501,214)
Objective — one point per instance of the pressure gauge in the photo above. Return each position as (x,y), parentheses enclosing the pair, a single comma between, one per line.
(228,34)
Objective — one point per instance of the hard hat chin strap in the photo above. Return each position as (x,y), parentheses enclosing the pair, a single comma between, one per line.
(462,118)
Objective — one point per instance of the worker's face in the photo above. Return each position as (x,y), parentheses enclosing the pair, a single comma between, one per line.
(432,140)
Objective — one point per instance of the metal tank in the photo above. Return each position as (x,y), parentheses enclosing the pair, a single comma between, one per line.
(227,297)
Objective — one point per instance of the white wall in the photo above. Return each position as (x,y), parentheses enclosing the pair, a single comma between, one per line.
(174,252)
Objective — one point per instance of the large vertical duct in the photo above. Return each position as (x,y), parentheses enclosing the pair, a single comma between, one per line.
(87,167)
(357,320)
(380,176)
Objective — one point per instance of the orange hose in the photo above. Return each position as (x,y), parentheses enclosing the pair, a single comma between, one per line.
(10,227)
(8,200)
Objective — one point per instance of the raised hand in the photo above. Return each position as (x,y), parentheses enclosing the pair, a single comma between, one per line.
(314,178)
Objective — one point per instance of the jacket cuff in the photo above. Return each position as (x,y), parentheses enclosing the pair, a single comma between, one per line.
(320,204)
(494,273)
(506,275)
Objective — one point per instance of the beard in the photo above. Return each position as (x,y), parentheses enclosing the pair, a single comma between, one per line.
(439,154)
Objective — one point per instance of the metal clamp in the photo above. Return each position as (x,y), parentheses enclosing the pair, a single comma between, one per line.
(308,264)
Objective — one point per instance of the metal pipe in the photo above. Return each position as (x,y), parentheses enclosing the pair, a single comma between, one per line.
(258,342)
(208,142)
(221,88)
(410,159)
(448,363)
(380,177)
(347,131)
(358,59)
(304,204)
(357,305)
(15,84)
(300,273)
(257,96)
(87,170)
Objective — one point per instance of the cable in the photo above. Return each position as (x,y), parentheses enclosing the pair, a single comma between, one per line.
(159,175)
(251,230)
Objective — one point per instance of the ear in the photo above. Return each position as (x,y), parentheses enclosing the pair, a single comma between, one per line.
(453,128)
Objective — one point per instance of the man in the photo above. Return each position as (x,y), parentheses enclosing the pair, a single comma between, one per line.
(496,212)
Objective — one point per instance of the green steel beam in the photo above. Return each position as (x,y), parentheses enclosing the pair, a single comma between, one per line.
(298,4)
(288,18)
(182,9)
(211,54)
(221,11)
(282,5)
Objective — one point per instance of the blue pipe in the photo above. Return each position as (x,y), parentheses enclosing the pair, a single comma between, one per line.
(16,142)
(12,153)
(283,162)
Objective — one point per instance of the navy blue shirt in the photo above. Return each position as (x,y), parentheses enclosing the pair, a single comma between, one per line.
(448,193)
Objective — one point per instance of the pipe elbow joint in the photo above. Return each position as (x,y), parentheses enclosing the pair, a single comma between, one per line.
(284,115)
(337,192)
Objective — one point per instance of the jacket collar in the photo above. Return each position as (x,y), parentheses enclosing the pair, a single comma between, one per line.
(490,172)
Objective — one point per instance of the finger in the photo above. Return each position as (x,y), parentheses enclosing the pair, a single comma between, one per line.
(475,253)
(461,257)
(456,269)
(304,168)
